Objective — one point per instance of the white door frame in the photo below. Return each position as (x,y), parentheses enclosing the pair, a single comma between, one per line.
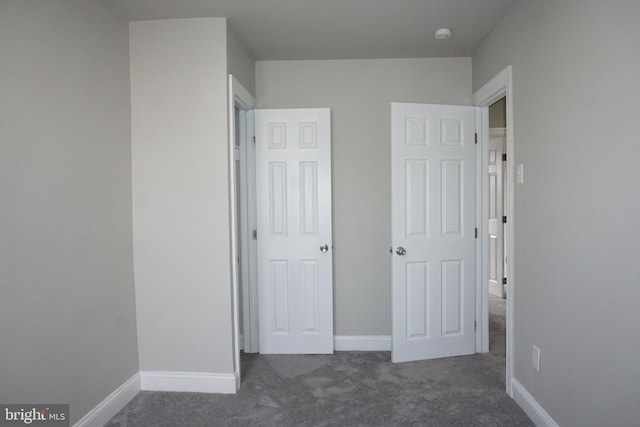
(499,86)
(239,97)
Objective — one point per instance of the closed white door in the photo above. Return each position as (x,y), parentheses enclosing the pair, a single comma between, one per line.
(496,213)
(295,268)
(433,185)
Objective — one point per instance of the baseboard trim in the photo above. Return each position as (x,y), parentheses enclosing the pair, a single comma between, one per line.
(531,407)
(197,382)
(362,342)
(110,406)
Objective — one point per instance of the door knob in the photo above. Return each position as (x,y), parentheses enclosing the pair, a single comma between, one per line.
(401,251)
(324,248)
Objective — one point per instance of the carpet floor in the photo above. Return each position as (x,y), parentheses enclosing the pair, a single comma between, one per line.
(347,389)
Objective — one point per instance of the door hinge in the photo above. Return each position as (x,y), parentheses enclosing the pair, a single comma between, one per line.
(476,233)
(504,280)
(475,325)
(253,140)
(476,138)
(255,234)
(504,219)
(504,157)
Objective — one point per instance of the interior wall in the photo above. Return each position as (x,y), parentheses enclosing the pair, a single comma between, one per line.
(359,93)
(241,62)
(575,101)
(498,114)
(181,194)
(67,313)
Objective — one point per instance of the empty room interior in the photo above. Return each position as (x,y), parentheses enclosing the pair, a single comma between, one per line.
(191,188)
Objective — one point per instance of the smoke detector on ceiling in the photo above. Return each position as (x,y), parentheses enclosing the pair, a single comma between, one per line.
(442,33)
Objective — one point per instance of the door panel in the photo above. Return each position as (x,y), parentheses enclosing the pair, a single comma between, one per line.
(293,181)
(452,192)
(433,221)
(417,300)
(417,173)
(496,211)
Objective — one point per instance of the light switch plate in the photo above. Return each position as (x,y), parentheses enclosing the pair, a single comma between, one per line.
(520,173)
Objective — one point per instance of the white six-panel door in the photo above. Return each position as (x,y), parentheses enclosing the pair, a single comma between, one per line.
(433,231)
(293,185)
(496,212)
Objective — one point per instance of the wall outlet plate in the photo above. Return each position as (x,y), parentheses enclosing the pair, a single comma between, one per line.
(535,358)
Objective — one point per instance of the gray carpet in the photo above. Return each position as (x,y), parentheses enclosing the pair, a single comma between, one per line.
(347,389)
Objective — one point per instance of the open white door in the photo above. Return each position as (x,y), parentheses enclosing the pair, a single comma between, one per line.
(497,141)
(433,185)
(295,267)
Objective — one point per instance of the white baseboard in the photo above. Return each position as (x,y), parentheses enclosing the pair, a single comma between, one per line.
(197,382)
(531,407)
(362,342)
(110,406)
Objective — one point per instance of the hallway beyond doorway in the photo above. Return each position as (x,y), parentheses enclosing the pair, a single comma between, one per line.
(497,334)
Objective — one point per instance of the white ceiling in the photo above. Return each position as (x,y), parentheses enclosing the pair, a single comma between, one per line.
(339,29)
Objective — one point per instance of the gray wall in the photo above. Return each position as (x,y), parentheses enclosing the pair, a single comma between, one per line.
(181,194)
(576,111)
(241,63)
(498,114)
(359,93)
(67,316)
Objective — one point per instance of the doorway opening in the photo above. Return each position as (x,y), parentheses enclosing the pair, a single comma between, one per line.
(497,89)
(497,233)
(242,221)
(280,187)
